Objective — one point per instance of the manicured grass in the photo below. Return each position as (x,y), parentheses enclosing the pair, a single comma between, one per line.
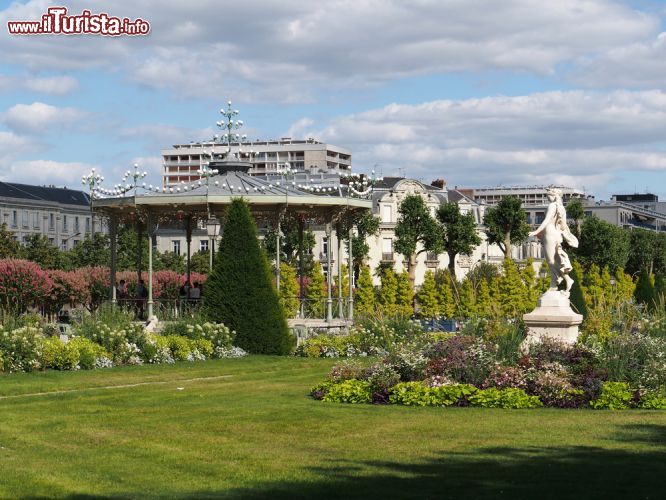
(256,434)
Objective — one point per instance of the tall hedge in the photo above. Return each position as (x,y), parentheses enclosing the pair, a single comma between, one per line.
(239,291)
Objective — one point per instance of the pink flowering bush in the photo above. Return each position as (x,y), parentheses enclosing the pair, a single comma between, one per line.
(69,287)
(23,284)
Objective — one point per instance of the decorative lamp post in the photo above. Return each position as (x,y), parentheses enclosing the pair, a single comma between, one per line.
(213,230)
(93,181)
(228,126)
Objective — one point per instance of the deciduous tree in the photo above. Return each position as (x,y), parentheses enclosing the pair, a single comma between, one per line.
(506,224)
(416,232)
(458,232)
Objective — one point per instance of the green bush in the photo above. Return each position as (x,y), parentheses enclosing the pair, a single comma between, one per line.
(614,396)
(419,394)
(504,398)
(349,391)
(22,348)
(59,355)
(331,346)
(90,353)
(652,401)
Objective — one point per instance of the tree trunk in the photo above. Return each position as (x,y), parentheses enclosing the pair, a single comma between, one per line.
(507,245)
(411,269)
(452,263)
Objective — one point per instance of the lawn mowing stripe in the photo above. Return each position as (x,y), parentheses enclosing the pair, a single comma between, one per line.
(122,386)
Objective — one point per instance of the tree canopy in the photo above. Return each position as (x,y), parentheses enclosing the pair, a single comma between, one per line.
(458,232)
(416,231)
(506,224)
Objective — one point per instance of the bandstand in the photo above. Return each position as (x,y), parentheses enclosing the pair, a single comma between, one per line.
(271,202)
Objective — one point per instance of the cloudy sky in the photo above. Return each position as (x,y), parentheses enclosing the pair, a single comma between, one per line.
(478,92)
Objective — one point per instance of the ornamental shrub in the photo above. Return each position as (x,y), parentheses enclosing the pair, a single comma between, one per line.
(504,398)
(349,391)
(239,290)
(652,401)
(22,349)
(59,355)
(419,394)
(23,284)
(614,396)
(91,355)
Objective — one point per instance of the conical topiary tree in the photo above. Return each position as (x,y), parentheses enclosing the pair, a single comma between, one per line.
(576,296)
(289,290)
(239,290)
(644,293)
(365,301)
(405,295)
(388,292)
(512,290)
(316,292)
(447,302)
(428,298)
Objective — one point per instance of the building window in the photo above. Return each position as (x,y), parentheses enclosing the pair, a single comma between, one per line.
(24,219)
(203,245)
(51,241)
(387,249)
(87,224)
(63,245)
(76,224)
(175,246)
(387,213)
(51,222)
(14,218)
(324,245)
(64,223)
(540,216)
(35,220)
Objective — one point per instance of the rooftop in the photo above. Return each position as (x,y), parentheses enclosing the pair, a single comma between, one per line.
(43,193)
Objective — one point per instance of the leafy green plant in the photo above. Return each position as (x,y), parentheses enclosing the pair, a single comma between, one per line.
(349,391)
(91,354)
(652,401)
(419,394)
(614,396)
(59,355)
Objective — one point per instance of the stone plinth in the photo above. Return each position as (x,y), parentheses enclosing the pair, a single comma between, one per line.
(553,318)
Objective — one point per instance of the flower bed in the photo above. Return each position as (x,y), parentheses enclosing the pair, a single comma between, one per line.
(108,339)
(626,371)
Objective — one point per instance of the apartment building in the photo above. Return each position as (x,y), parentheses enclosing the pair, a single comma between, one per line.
(182,161)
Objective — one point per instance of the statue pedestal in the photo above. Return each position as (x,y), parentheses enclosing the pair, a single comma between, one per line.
(553,318)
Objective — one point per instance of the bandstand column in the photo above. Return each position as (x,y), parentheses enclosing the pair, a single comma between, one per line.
(277,254)
(139,238)
(188,243)
(150,266)
(329,275)
(301,267)
(351,272)
(341,307)
(113,236)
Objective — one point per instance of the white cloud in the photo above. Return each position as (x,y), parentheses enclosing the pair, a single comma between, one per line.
(56,85)
(582,137)
(286,51)
(46,172)
(39,117)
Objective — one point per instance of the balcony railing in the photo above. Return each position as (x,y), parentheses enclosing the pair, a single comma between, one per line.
(387,256)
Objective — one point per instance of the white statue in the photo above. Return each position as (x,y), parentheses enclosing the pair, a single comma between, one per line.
(553,231)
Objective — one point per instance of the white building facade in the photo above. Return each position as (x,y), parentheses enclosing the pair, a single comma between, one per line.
(62,215)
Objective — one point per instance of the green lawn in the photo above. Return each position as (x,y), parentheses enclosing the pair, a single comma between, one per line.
(246,429)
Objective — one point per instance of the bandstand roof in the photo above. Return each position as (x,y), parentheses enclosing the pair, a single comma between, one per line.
(266,198)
